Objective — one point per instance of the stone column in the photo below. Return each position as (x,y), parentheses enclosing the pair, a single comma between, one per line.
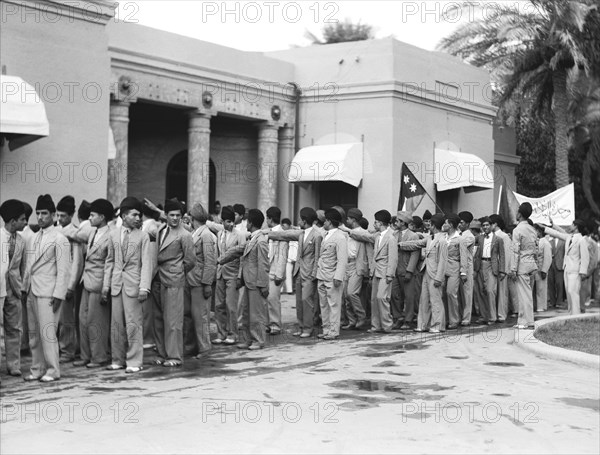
(117,167)
(198,159)
(267,165)
(286,155)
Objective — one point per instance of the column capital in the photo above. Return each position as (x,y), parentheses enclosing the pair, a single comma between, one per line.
(119,111)
(202,113)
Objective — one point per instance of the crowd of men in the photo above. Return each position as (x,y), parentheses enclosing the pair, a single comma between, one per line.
(97,292)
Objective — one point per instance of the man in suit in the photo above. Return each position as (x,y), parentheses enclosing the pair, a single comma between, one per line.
(365,295)
(331,270)
(455,269)
(466,277)
(12,247)
(431,315)
(576,261)
(254,276)
(309,240)
(94,313)
(405,283)
(278,252)
(544,261)
(585,294)
(356,271)
(175,258)
(129,265)
(227,294)
(68,323)
(150,225)
(524,264)
(479,293)
(504,284)
(492,258)
(44,288)
(556,273)
(199,281)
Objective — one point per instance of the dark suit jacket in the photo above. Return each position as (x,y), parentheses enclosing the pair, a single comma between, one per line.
(16,267)
(308,250)
(407,260)
(205,270)
(254,264)
(498,257)
(558,253)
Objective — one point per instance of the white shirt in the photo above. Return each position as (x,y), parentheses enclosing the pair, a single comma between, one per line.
(487,246)
(353,246)
(449,238)
(274,229)
(307,232)
(380,238)
(100,232)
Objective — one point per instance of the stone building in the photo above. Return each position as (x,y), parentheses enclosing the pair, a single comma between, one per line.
(138,111)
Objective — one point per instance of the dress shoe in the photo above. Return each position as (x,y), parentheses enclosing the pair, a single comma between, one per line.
(149,345)
(275,332)
(217,341)
(133,369)
(465,324)
(297,334)
(500,320)
(114,366)
(30,377)
(417,329)
(229,341)
(361,325)
(305,334)
(330,337)
(349,327)
(434,331)
(255,347)
(47,378)
(16,372)
(397,324)
(373,331)
(80,363)
(63,359)
(95,365)
(452,327)
(321,335)
(242,345)
(405,327)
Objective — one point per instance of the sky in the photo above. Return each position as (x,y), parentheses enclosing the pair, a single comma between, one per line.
(280,24)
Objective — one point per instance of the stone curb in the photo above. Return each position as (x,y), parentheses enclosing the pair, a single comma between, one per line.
(530,343)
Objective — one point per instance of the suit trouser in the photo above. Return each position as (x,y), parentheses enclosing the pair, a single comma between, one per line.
(431,306)
(253,316)
(67,327)
(25,328)
(381,293)
(365,297)
(573,286)
(43,342)
(556,282)
(585,292)
(540,295)
(289,278)
(148,311)
(94,327)
(127,331)
(352,287)
(196,319)
(12,317)
(479,293)
(452,285)
(466,297)
(226,308)
(490,281)
(274,305)
(525,299)
(330,301)
(305,303)
(503,298)
(404,297)
(168,322)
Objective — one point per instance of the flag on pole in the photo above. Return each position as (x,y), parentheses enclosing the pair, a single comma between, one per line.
(411,191)
(508,205)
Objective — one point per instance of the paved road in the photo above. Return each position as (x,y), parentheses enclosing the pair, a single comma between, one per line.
(473,391)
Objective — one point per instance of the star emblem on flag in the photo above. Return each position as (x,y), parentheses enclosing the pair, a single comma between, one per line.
(413,188)
(406,179)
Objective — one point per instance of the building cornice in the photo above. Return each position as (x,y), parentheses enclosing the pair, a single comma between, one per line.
(94,11)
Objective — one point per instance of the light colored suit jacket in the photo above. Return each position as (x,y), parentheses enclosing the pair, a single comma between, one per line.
(132,273)
(385,255)
(308,250)
(544,257)
(94,279)
(524,249)
(75,255)
(254,264)
(204,272)
(16,267)
(364,255)
(577,257)
(333,259)
(468,240)
(436,254)
(457,256)
(593,253)
(48,265)
(278,253)
(230,270)
(507,242)
(176,256)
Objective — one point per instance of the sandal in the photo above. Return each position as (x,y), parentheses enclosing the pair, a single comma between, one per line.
(158,362)
(171,363)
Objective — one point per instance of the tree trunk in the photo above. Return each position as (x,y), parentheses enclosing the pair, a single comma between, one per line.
(560,104)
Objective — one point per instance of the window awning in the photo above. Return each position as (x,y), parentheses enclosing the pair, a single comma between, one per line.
(461,170)
(23,118)
(325,163)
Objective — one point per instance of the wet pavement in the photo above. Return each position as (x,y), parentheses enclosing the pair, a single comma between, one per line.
(468,391)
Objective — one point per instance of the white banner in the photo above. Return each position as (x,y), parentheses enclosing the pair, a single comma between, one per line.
(559,205)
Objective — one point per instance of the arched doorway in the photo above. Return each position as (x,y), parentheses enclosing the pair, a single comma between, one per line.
(177,171)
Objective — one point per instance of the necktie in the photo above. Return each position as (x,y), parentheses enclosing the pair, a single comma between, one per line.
(11,246)
(125,243)
(93,238)
(166,234)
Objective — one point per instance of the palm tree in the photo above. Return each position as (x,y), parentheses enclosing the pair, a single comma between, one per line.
(341,32)
(530,53)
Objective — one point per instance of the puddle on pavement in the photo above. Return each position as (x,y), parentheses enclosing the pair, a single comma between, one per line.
(457,357)
(111,389)
(324,370)
(386,363)
(389,349)
(369,393)
(501,394)
(505,364)
(588,403)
